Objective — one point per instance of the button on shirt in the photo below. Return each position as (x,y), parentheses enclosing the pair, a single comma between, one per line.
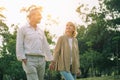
(32,42)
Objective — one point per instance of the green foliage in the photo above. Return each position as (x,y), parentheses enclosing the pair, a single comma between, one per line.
(102,35)
(102,78)
(89,62)
(112,5)
(81,40)
(49,37)
(9,64)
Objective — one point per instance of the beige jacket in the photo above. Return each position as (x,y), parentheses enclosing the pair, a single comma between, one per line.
(62,55)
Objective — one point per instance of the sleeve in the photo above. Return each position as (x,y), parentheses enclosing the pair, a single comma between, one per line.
(20,45)
(57,49)
(46,50)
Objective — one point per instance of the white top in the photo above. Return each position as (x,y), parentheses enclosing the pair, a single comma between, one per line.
(33,42)
(70,44)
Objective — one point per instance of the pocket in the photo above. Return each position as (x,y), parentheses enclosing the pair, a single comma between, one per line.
(28,67)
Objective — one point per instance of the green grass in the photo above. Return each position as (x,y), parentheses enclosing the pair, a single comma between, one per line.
(102,78)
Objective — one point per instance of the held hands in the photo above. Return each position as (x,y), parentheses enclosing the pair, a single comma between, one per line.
(78,72)
(52,66)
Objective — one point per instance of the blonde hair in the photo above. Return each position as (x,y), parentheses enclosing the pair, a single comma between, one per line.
(74,34)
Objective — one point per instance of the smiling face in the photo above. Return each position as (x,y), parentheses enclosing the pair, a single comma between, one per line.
(35,16)
(70,29)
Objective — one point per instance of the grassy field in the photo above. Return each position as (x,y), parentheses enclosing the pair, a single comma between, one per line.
(102,78)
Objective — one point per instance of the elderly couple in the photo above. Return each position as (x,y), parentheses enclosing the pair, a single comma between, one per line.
(33,49)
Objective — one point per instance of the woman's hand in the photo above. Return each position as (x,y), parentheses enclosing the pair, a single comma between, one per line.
(52,66)
(78,72)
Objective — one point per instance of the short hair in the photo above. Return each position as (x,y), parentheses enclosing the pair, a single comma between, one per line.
(31,8)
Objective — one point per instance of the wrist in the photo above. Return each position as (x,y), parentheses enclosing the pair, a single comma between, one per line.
(52,62)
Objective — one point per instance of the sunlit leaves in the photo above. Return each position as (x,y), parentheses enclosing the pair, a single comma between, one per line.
(1,15)
(28,9)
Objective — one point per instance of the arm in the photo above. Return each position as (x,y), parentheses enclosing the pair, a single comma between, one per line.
(57,49)
(56,53)
(46,49)
(20,45)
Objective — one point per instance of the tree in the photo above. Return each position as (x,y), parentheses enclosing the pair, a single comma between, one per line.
(1,15)
(10,67)
(102,35)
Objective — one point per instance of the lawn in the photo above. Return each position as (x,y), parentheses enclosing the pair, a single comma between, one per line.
(102,78)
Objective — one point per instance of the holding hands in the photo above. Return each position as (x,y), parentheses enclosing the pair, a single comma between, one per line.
(52,65)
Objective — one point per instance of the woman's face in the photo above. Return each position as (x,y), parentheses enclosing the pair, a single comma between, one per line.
(69,28)
(35,16)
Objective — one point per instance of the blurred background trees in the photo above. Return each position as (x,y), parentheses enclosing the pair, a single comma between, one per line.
(99,43)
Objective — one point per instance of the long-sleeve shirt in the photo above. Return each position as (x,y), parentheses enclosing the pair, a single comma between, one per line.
(32,42)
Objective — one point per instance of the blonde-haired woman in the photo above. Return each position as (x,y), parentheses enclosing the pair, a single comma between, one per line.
(66,54)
